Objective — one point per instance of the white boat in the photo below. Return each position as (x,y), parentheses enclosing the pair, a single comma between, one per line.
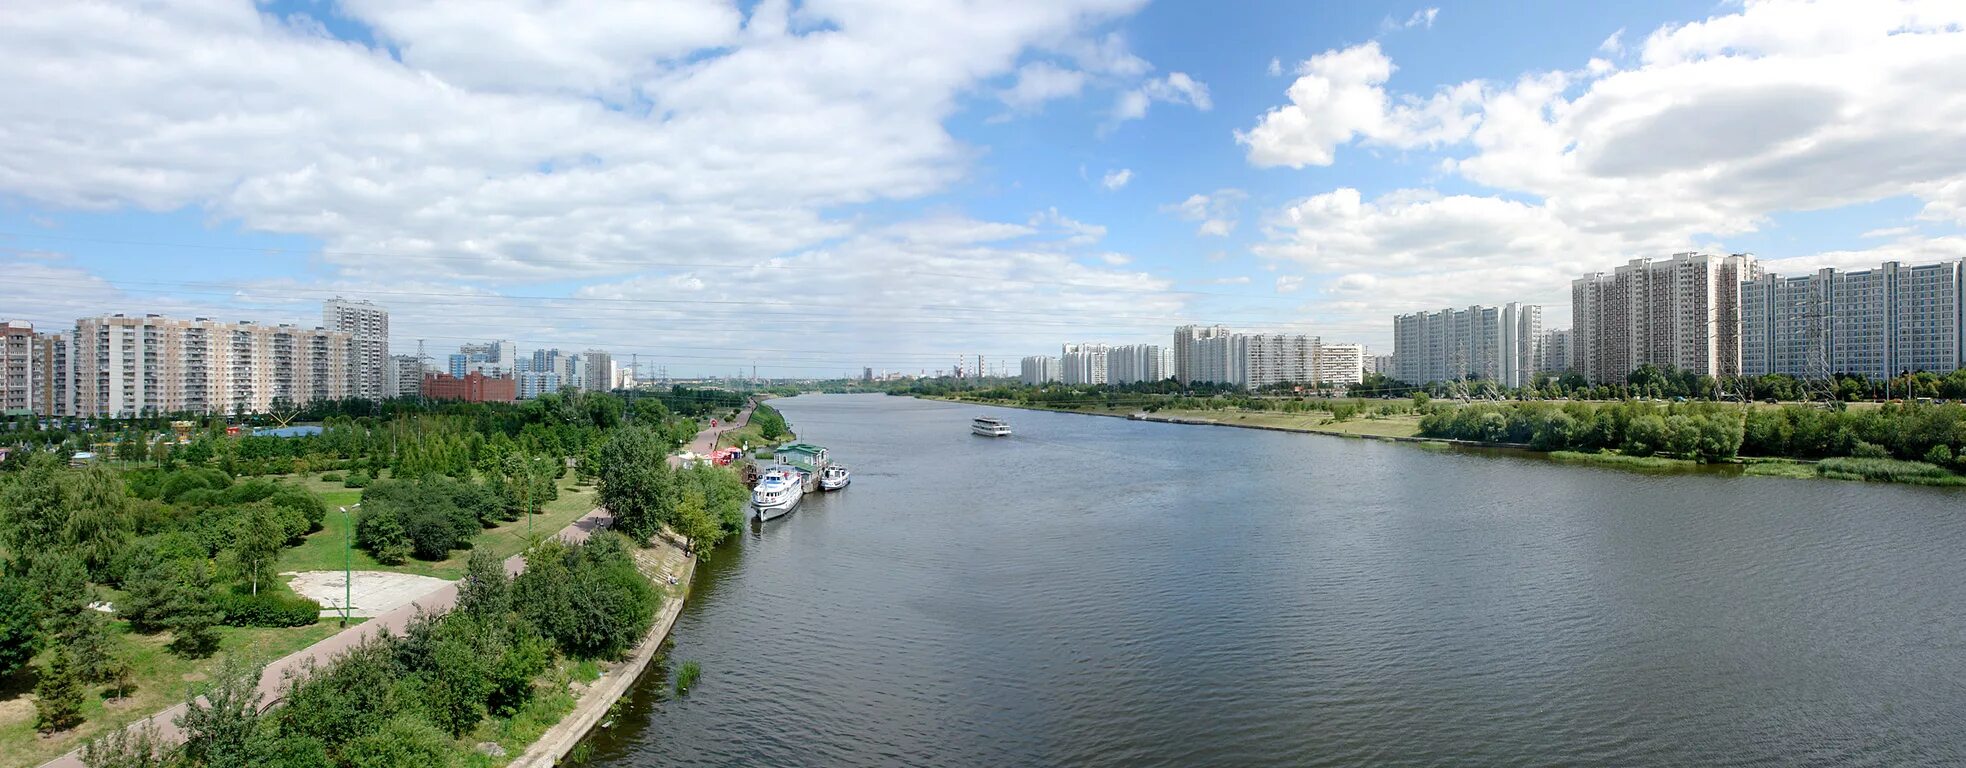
(989,427)
(778,491)
(834,477)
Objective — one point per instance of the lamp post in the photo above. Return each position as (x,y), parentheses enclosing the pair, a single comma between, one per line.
(347,565)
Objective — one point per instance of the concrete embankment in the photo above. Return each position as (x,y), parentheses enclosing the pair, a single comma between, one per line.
(660,561)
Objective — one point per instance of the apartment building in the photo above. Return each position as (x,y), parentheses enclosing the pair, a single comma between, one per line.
(1189,366)
(493,358)
(1083,363)
(1498,344)
(598,375)
(129,366)
(405,377)
(17,369)
(1683,312)
(1342,364)
(1134,363)
(1038,369)
(50,376)
(368,325)
(1876,322)
(1553,352)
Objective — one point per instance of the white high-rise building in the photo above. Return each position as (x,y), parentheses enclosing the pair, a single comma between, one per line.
(1683,312)
(1876,322)
(1191,361)
(1496,344)
(1083,363)
(1341,364)
(1038,369)
(131,366)
(405,377)
(1553,352)
(369,325)
(1133,363)
(599,374)
(17,369)
(1272,359)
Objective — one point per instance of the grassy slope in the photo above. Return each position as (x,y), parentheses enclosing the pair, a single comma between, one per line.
(161,681)
(324,549)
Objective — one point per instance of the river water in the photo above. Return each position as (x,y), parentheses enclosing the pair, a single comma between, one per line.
(1095,591)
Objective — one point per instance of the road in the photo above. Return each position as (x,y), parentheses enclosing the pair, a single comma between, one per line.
(273,681)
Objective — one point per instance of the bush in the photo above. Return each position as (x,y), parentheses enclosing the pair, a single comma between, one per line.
(427,518)
(269,608)
(356,480)
(1867,450)
(331,477)
(1886,470)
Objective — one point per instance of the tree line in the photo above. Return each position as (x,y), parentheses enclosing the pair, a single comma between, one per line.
(422,697)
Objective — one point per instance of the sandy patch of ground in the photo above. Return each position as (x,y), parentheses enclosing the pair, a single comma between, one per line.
(374,592)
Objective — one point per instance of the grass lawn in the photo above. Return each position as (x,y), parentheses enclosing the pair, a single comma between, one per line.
(161,680)
(751,434)
(324,549)
(1398,425)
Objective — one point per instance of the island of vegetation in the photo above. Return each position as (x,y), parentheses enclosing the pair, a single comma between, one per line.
(153,575)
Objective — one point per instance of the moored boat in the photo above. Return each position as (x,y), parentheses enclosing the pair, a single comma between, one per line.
(990,427)
(778,491)
(834,477)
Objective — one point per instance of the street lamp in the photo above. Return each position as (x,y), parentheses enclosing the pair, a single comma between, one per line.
(347,565)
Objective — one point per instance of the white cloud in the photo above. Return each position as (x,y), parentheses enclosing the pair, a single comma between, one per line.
(1289,283)
(1713,129)
(1114,180)
(1338,96)
(1614,43)
(1175,88)
(1216,211)
(1039,82)
(521,143)
(1237,280)
(1116,259)
(1276,67)
(1420,18)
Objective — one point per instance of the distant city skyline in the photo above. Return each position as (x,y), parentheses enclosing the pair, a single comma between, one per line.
(1077,168)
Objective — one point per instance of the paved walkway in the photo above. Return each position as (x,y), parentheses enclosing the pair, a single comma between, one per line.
(706,440)
(272,682)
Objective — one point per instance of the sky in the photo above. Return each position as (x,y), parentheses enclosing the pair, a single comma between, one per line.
(817,187)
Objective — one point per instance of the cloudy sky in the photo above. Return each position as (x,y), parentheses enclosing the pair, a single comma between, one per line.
(819,186)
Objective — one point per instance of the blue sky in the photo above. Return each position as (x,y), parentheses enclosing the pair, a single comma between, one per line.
(891,184)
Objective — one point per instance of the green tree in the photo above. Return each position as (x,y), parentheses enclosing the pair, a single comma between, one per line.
(191,615)
(97,523)
(20,625)
(699,528)
(253,554)
(58,694)
(485,590)
(221,721)
(92,646)
(636,486)
(34,507)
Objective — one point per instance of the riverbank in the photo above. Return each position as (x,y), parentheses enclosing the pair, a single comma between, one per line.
(660,561)
(1405,428)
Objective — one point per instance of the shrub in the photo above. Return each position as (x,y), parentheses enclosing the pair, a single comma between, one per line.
(356,480)
(405,741)
(269,608)
(58,694)
(331,477)
(1867,450)
(427,518)
(1940,455)
(1886,470)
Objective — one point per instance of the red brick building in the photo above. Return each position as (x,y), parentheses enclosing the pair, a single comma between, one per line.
(475,387)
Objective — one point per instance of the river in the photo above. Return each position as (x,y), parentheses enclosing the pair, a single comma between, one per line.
(1100,592)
